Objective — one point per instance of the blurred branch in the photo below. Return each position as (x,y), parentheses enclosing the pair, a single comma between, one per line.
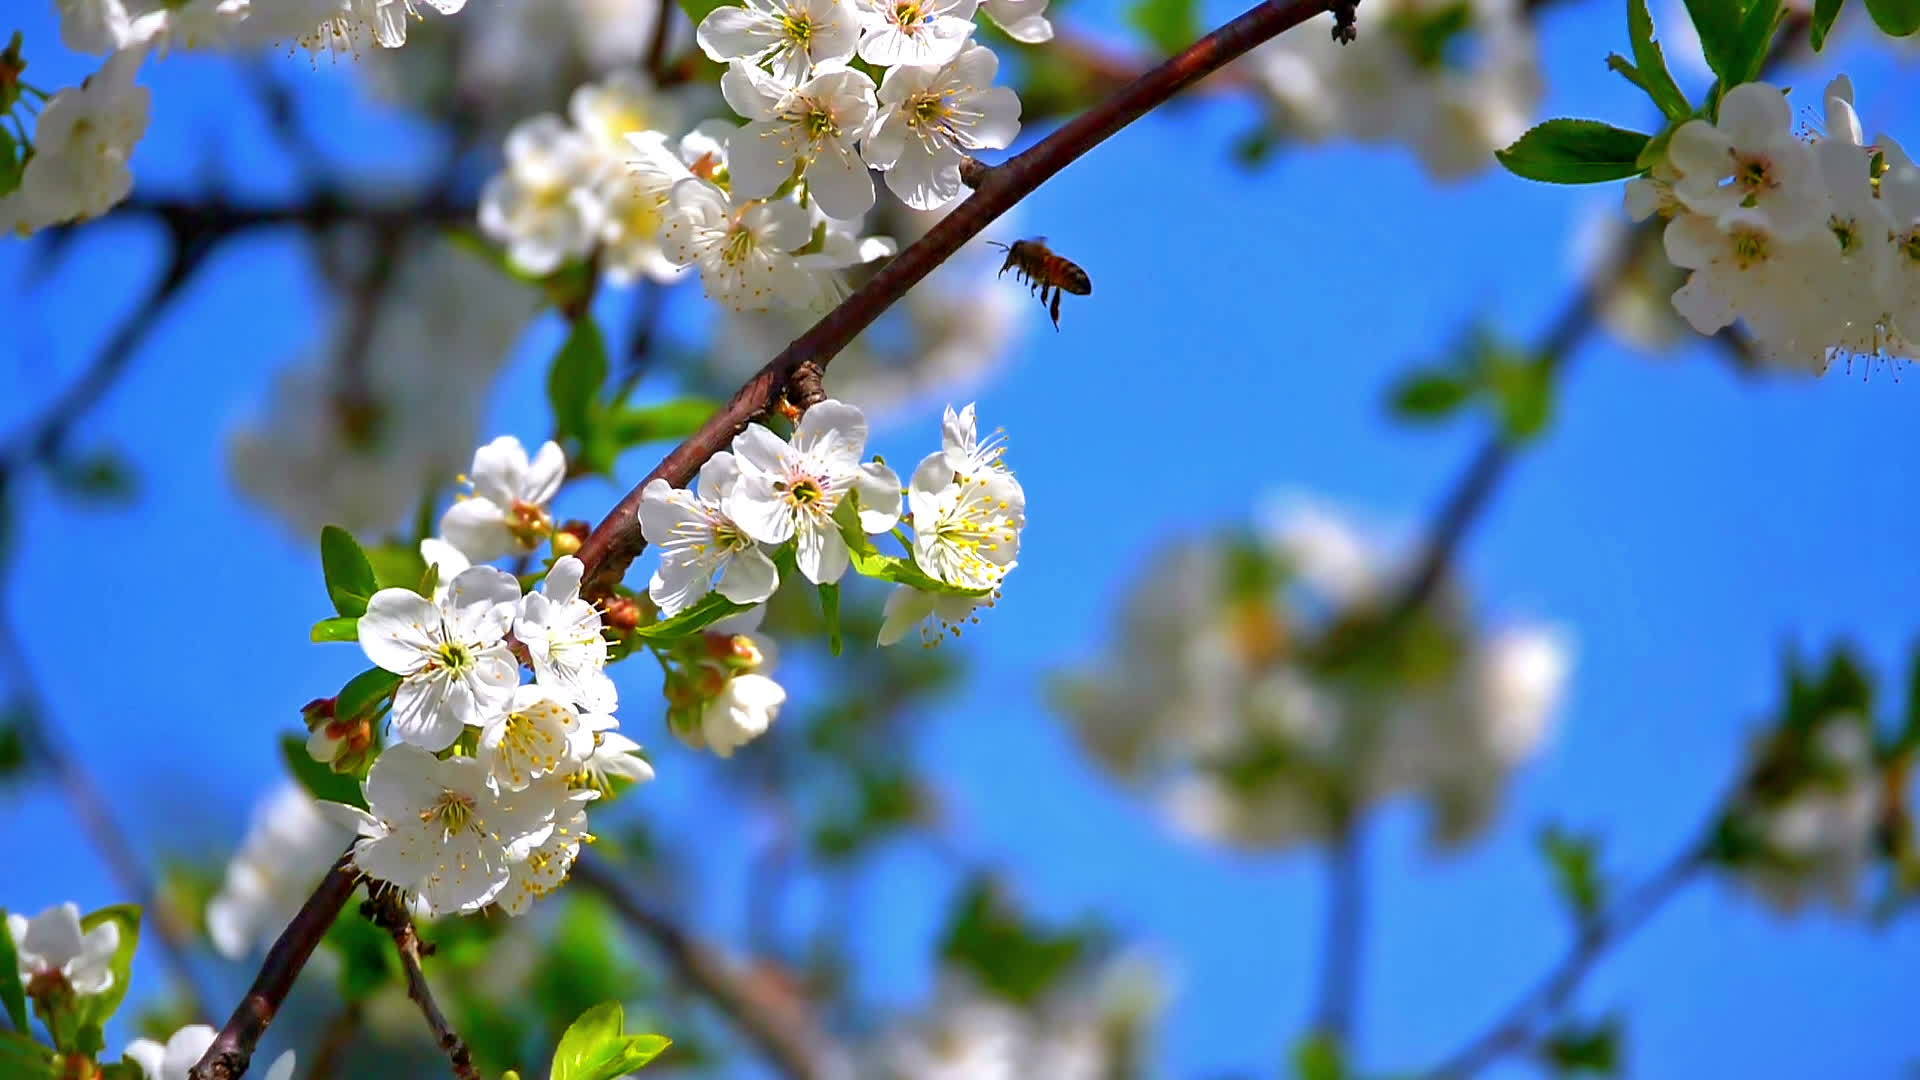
(617,541)
(232,1050)
(1518,1027)
(769,1014)
(1345,934)
(334,1041)
(389,912)
(657,66)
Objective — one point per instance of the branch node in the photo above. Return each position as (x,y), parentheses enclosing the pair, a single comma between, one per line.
(974,172)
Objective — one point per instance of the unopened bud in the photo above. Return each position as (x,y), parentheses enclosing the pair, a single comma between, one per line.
(710,681)
(621,613)
(737,651)
(565,543)
(319,711)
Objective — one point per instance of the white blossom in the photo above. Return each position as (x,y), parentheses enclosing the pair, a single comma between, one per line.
(1024,21)
(932,118)
(1749,160)
(442,831)
(913,31)
(795,38)
(741,712)
(789,491)
(966,528)
(562,634)
(698,541)
(456,670)
(611,112)
(536,736)
(51,945)
(506,514)
(614,758)
(933,612)
(542,206)
(83,141)
(808,130)
(742,247)
(634,200)
(545,867)
(184,1049)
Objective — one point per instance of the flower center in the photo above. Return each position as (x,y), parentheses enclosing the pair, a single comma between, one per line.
(453,812)
(820,123)
(1749,247)
(1753,175)
(799,29)
(929,108)
(806,493)
(454,656)
(1845,230)
(908,14)
(738,245)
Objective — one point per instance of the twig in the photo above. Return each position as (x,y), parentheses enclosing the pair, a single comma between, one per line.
(232,1050)
(389,913)
(776,1021)
(657,43)
(1345,933)
(617,541)
(1516,1029)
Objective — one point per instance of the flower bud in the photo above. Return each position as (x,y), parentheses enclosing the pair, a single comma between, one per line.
(621,613)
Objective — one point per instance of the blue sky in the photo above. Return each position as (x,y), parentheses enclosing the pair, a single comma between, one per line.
(1687,525)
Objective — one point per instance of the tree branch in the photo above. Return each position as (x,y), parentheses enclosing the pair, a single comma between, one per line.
(617,541)
(232,1050)
(389,913)
(1345,934)
(1518,1026)
(774,1019)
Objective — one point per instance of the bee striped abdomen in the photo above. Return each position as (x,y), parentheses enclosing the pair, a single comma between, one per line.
(1045,273)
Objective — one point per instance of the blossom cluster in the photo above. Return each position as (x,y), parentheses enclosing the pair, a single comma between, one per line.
(770,213)
(965,506)
(499,815)
(1248,696)
(1818,833)
(84,138)
(1453,80)
(1812,243)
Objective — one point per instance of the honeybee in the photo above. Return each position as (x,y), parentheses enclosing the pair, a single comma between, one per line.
(1044,271)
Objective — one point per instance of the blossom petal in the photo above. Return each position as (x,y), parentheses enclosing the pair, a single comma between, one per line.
(394,632)
(750,577)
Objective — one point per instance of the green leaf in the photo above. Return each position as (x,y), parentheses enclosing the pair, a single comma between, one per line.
(94,1011)
(1319,1057)
(1567,151)
(595,1048)
(667,421)
(710,609)
(102,476)
(573,383)
(830,611)
(1824,12)
(1523,397)
(12,994)
(1171,25)
(25,1058)
(365,693)
(320,781)
(1575,858)
(1429,395)
(338,628)
(1652,63)
(1897,17)
(989,939)
(350,581)
(13,745)
(699,9)
(397,566)
(1575,1049)
(1735,35)
(366,954)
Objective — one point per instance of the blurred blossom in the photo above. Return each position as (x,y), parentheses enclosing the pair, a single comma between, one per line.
(1253,694)
(1635,299)
(325,453)
(287,850)
(1813,808)
(1453,81)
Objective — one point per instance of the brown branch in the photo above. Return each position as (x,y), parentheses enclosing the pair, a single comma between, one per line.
(617,541)
(335,1041)
(232,1050)
(769,1014)
(388,911)
(1519,1027)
